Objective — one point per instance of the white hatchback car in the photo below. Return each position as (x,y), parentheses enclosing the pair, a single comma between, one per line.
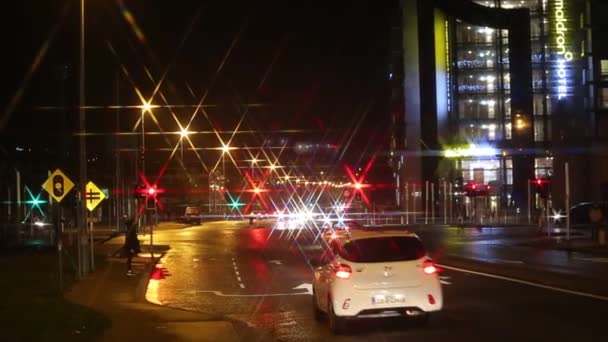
(372,274)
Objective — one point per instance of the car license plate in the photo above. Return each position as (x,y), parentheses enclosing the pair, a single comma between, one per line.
(388,299)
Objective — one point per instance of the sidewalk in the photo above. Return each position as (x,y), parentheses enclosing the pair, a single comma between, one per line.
(575,244)
(104,232)
(122,298)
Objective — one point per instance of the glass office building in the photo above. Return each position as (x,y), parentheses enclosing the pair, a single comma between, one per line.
(500,92)
(479,80)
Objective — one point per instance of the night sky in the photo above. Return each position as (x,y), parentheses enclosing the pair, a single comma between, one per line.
(316,66)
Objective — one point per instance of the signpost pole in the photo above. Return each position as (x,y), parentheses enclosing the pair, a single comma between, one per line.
(407,201)
(451,191)
(91,242)
(445,202)
(567,201)
(58,241)
(426,202)
(18,194)
(152,234)
(79,230)
(414,201)
(433,203)
(60,252)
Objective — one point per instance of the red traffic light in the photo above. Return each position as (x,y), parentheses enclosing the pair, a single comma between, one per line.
(473,189)
(151,191)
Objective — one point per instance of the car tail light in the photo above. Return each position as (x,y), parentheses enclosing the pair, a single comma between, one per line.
(431,299)
(343,271)
(428,267)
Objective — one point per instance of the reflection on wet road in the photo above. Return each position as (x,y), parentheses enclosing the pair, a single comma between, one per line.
(260,277)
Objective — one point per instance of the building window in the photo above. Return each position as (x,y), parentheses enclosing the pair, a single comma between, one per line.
(481,171)
(543,167)
(539,130)
(604,69)
(603,98)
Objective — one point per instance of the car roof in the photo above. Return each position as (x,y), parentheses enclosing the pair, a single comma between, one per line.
(374,233)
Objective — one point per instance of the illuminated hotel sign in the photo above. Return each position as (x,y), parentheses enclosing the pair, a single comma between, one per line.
(563,54)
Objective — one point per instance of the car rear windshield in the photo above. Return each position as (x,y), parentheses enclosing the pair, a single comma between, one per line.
(383,249)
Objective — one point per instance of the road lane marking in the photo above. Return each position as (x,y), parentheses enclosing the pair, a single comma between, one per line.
(444,280)
(221,294)
(238,275)
(592,259)
(529,283)
(276,262)
(508,261)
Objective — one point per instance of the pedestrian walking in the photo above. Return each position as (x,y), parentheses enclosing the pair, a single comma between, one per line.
(131,246)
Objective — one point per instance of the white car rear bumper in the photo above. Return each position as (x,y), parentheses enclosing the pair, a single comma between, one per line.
(350,302)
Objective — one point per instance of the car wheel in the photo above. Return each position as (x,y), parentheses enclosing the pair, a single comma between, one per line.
(315,307)
(336,324)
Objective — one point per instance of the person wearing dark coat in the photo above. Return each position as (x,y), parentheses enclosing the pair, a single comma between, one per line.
(131,247)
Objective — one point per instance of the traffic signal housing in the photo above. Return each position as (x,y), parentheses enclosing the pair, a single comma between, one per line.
(541,186)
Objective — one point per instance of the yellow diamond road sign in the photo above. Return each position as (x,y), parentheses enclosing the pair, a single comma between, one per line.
(93,196)
(58,185)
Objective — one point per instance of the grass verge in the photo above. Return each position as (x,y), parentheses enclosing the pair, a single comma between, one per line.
(33,308)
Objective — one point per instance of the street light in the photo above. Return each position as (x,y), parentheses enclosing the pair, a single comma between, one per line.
(147,106)
(253,162)
(183,134)
(520,122)
(225,149)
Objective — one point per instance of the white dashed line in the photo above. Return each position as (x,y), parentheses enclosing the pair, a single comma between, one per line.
(238,275)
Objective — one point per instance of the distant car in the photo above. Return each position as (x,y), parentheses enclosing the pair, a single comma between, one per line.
(341,227)
(258,214)
(375,274)
(192,215)
(579,214)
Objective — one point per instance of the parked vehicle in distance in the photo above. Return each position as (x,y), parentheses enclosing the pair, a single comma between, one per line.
(579,213)
(192,215)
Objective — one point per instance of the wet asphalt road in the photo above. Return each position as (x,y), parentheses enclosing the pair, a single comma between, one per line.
(254,276)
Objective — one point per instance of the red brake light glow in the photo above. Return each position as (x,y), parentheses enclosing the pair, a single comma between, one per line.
(428,267)
(343,271)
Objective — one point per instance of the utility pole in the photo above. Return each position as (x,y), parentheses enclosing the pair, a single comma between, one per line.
(82,221)
(18,194)
(117,198)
